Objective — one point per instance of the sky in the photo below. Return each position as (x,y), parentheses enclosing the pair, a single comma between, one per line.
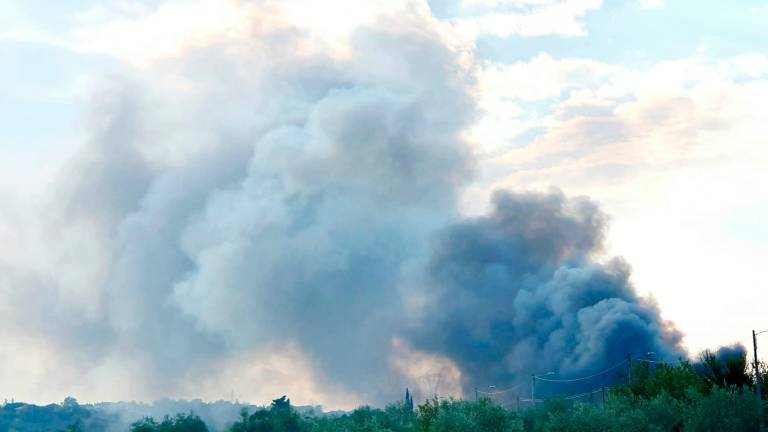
(651,108)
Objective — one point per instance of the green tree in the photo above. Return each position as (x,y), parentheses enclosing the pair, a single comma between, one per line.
(69,402)
(674,380)
(723,410)
(178,423)
(399,417)
(426,414)
(77,426)
(726,372)
(279,418)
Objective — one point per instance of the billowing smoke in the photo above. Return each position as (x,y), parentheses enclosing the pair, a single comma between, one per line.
(278,207)
(518,292)
(725,366)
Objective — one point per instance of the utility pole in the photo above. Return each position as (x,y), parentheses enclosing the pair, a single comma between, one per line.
(533,389)
(651,363)
(476,398)
(758,384)
(629,369)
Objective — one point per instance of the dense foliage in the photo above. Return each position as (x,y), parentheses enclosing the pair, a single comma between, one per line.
(713,395)
(179,423)
(67,416)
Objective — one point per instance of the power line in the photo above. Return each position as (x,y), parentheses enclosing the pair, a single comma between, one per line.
(659,361)
(578,396)
(623,362)
(589,393)
(572,380)
(500,391)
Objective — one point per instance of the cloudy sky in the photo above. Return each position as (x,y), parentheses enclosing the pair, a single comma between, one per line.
(652,108)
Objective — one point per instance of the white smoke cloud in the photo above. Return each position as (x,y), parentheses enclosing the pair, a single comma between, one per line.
(262,195)
(244,190)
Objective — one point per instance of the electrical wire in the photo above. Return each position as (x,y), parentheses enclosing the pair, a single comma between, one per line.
(658,361)
(579,395)
(500,391)
(581,378)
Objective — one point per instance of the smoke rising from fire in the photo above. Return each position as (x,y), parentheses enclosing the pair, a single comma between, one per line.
(272,195)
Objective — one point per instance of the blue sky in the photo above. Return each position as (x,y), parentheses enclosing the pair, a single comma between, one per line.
(652,108)
(626,33)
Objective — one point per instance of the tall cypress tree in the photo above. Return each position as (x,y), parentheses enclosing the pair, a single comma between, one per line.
(408,400)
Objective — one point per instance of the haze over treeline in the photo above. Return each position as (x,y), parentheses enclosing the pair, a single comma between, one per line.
(273,211)
(713,394)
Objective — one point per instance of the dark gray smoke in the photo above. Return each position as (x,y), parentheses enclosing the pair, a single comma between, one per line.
(725,366)
(254,199)
(518,292)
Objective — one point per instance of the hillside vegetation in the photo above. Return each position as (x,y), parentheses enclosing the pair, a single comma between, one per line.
(716,394)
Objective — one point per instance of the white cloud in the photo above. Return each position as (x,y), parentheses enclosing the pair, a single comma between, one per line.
(531,18)
(503,89)
(541,78)
(581,99)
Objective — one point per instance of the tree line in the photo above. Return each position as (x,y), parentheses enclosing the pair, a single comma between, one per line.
(715,394)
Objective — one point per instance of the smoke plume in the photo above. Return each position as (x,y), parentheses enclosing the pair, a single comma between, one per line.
(273,214)
(519,292)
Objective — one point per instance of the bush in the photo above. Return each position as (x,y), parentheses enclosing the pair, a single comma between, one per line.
(723,410)
(452,415)
(675,381)
(179,423)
